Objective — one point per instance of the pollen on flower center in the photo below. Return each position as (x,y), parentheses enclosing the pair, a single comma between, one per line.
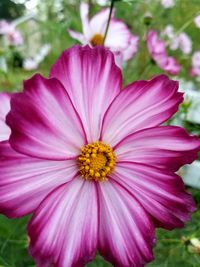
(97,39)
(96,161)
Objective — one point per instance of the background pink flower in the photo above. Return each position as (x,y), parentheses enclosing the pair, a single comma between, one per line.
(180,41)
(185,43)
(197,21)
(167,3)
(168,31)
(157,51)
(93,163)
(196,59)
(12,35)
(4,27)
(195,70)
(119,39)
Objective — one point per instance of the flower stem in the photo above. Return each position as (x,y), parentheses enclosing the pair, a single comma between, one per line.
(109,18)
(90,7)
(186,24)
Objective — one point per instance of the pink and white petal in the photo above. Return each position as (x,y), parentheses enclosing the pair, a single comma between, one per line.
(140,105)
(99,21)
(78,36)
(118,37)
(118,59)
(4,104)
(166,147)
(4,131)
(132,48)
(160,192)
(172,67)
(63,230)
(126,232)
(161,60)
(92,81)
(26,181)
(4,109)
(84,12)
(44,122)
(154,44)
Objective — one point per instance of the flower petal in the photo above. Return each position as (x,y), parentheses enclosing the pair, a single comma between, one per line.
(26,181)
(78,36)
(118,58)
(44,122)
(157,50)
(160,192)
(140,105)
(4,109)
(119,36)
(63,230)
(99,21)
(92,81)
(84,12)
(154,44)
(126,233)
(132,48)
(172,67)
(167,147)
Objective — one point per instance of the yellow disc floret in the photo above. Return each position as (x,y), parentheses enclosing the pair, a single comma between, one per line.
(97,39)
(96,161)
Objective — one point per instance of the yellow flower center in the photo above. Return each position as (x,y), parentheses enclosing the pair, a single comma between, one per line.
(96,161)
(97,39)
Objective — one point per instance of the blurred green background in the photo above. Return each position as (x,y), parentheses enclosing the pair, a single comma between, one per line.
(48,23)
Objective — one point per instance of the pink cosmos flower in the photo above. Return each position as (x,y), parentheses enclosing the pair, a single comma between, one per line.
(119,39)
(12,35)
(195,70)
(4,26)
(4,109)
(181,41)
(30,64)
(196,59)
(93,163)
(197,21)
(157,51)
(15,38)
(185,43)
(167,3)
(168,31)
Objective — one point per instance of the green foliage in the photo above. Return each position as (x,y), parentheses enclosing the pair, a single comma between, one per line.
(10,10)
(14,243)
(172,248)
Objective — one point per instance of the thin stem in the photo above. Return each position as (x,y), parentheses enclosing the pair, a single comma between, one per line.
(90,7)
(23,19)
(109,18)
(171,240)
(146,68)
(185,25)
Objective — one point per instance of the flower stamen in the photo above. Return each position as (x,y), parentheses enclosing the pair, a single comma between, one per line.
(96,161)
(97,39)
